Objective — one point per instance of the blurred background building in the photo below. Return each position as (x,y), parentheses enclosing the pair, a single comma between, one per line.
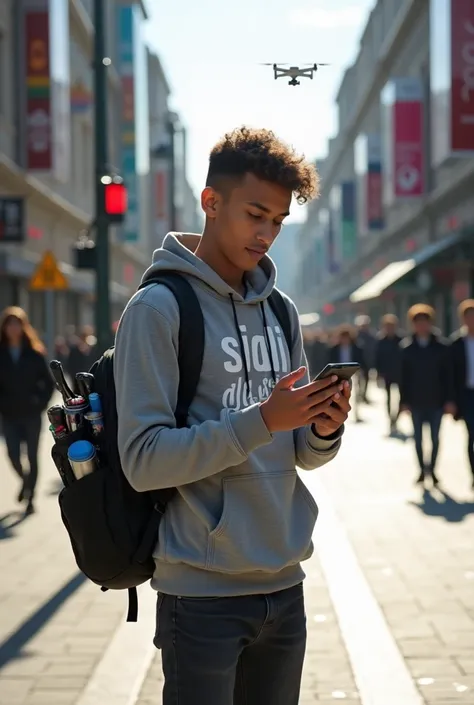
(47,151)
(395,221)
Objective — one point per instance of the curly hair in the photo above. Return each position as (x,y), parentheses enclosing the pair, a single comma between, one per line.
(261,153)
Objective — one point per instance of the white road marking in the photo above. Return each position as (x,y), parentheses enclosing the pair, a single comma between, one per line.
(120,673)
(379,669)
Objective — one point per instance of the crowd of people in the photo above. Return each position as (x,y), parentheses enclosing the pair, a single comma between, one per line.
(421,372)
(434,376)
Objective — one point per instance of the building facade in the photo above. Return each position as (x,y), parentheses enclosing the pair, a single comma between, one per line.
(395,220)
(173,204)
(47,149)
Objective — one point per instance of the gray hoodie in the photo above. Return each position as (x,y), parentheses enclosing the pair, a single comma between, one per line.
(242,519)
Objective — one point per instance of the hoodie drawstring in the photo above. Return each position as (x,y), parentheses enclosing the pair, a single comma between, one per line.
(241,342)
(267,340)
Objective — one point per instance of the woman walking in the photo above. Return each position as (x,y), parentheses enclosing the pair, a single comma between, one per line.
(26,387)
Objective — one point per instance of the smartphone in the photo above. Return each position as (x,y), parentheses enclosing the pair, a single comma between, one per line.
(343,370)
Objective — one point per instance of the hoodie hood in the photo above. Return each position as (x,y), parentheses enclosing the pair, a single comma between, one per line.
(177,255)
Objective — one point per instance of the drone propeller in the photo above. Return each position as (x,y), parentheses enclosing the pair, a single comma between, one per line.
(273,63)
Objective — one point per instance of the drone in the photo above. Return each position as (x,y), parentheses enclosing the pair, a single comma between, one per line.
(295,72)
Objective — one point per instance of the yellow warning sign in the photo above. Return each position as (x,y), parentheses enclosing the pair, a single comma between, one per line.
(48,276)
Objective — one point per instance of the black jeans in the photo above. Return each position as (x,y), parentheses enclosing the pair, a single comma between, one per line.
(25,431)
(468,414)
(433,418)
(245,650)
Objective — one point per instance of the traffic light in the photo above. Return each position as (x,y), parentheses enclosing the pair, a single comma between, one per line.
(114,198)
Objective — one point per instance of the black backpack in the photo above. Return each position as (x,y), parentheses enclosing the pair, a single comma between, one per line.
(112,528)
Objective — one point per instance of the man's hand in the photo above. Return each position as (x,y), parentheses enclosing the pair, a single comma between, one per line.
(450,408)
(336,415)
(288,407)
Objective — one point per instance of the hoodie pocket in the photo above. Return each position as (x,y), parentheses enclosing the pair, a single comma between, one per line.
(266,524)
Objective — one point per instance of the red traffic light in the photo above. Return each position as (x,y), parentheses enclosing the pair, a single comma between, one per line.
(115,199)
(328,309)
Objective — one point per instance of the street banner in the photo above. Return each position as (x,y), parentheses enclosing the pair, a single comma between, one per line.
(348,220)
(39,138)
(342,220)
(368,167)
(47,86)
(402,134)
(452,79)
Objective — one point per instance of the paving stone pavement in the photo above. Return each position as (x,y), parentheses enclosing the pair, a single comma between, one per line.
(54,625)
(415,550)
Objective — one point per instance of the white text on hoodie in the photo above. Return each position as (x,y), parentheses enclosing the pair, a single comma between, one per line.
(237,395)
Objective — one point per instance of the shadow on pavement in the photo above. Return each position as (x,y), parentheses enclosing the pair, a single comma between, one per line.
(8,522)
(444,506)
(399,436)
(12,647)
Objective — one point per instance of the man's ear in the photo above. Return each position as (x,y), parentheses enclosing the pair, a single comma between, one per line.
(210,202)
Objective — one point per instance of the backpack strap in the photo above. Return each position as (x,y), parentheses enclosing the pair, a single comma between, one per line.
(190,339)
(280,309)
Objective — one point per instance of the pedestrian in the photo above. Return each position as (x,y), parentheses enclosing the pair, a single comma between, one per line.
(367,341)
(426,384)
(462,355)
(26,387)
(315,347)
(230,617)
(82,354)
(388,364)
(345,349)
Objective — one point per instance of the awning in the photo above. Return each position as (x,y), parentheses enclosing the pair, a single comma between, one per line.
(79,282)
(396,270)
(308,319)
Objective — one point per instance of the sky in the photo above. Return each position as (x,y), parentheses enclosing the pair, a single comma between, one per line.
(211,51)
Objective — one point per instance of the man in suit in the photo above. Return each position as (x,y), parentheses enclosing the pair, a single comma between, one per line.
(426,383)
(367,342)
(388,363)
(462,355)
(344,350)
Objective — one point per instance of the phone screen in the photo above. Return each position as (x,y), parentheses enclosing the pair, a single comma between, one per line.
(343,370)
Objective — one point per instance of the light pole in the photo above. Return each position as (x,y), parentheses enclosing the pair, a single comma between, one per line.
(102,294)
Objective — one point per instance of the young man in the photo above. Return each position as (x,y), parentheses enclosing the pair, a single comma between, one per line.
(388,363)
(230,614)
(462,350)
(426,383)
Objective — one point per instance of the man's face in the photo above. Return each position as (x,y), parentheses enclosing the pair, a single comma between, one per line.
(422,325)
(469,318)
(247,218)
(390,329)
